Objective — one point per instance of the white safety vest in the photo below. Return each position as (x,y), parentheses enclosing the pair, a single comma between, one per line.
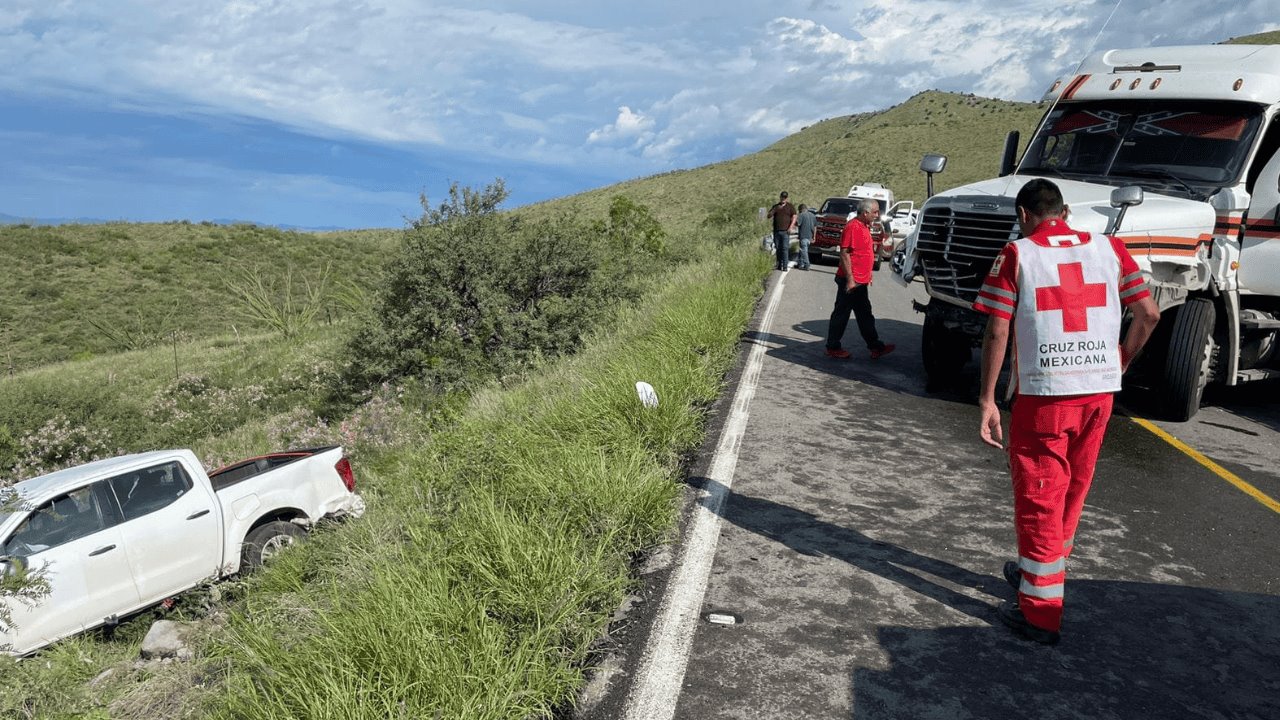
(1067,322)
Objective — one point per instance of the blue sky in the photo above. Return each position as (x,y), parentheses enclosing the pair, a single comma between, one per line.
(339,113)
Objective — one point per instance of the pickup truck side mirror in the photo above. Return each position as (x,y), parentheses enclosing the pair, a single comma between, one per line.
(1123,198)
(11,566)
(931,164)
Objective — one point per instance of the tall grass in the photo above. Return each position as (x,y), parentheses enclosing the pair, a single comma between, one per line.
(497,553)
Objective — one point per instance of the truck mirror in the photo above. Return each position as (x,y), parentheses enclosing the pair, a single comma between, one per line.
(1123,198)
(932,163)
(1127,196)
(1009,161)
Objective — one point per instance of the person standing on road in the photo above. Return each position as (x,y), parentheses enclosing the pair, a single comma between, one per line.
(805,223)
(853,285)
(1063,292)
(784,216)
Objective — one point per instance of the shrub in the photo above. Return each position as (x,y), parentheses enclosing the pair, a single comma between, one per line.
(632,228)
(474,293)
(729,222)
(193,406)
(59,444)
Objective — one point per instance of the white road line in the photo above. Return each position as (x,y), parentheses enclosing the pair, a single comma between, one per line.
(661,674)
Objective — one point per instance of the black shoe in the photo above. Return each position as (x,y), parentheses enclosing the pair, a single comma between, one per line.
(1012,575)
(1011,615)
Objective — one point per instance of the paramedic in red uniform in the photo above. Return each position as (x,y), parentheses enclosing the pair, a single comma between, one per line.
(1064,293)
(853,285)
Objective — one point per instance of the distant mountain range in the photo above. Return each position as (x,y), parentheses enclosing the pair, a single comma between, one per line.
(6,219)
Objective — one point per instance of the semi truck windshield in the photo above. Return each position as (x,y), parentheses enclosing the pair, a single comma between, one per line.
(1191,147)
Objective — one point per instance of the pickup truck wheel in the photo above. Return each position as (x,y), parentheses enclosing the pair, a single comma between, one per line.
(944,354)
(1187,367)
(263,542)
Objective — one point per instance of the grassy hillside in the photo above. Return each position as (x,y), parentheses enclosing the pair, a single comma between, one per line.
(1265,38)
(77,291)
(830,156)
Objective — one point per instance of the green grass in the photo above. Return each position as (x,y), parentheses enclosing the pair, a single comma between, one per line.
(87,290)
(198,394)
(500,550)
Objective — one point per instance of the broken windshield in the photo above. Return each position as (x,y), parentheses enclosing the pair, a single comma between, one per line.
(1190,147)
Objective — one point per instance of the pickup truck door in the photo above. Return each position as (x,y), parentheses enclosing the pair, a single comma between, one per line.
(73,541)
(171,528)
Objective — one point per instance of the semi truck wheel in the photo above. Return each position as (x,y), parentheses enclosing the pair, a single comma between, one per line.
(944,353)
(1187,365)
(264,541)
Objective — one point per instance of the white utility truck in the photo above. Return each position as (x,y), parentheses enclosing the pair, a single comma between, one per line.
(1171,149)
(115,536)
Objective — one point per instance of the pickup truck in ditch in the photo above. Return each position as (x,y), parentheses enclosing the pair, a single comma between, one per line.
(116,536)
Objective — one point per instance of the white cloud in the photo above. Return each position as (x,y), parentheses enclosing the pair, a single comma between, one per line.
(523,122)
(629,124)
(637,88)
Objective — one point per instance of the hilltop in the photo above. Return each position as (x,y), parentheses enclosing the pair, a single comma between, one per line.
(828,157)
(1264,38)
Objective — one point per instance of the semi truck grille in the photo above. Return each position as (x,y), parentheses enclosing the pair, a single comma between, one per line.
(956,248)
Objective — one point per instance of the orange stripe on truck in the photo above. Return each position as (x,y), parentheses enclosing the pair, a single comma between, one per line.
(1075,86)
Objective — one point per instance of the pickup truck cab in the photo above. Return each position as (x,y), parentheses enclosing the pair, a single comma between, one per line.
(836,212)
(116,536)
(829,225)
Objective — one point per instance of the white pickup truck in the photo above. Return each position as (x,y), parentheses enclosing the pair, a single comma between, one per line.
(116,536)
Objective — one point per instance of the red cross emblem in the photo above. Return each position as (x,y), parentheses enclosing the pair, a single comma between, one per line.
(1073,297)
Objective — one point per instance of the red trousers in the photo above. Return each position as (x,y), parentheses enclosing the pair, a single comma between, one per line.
(1053,447)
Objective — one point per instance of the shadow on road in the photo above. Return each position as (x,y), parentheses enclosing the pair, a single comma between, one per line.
(806,534)
(1129,649)
(901,371)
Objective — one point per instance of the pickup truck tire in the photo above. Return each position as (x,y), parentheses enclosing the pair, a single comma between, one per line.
(264,541)
(944,353)
(1187,366)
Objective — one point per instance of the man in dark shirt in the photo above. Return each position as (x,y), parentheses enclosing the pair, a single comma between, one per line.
(784,216)
(805,222)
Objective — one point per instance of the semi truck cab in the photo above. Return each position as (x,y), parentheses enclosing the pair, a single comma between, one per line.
(1175,151)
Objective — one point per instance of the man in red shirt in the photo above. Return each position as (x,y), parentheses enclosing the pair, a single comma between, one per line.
(1063,293)
(853,285)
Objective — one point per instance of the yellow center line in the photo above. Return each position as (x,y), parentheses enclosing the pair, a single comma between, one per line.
(1213,467)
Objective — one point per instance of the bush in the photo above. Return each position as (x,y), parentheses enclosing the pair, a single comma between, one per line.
(58,444)
(474,293)
(193,406)
(729,222)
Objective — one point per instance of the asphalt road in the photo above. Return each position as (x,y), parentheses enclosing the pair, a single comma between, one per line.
(859,536)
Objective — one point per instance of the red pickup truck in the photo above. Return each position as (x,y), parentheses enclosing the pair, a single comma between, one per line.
(831,219)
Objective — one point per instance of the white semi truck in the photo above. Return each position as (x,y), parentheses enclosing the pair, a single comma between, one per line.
(1175,151)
